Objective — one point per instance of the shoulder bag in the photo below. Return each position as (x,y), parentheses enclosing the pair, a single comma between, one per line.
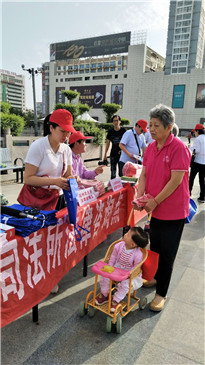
(138,161)
(38,197)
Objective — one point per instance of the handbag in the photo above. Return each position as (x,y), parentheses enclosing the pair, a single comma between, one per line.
(38,197)
(138,161)
(192,211)
(150,266)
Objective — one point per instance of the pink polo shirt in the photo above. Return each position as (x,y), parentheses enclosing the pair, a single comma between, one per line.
(173,156)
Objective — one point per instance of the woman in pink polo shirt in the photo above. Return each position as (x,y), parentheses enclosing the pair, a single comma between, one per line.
(165,177)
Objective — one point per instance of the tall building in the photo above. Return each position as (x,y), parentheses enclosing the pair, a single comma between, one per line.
(12,89)
(186,37)
(110,69)
(103,60)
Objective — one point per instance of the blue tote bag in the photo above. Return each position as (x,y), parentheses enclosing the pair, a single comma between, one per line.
(192,211)
(71,201)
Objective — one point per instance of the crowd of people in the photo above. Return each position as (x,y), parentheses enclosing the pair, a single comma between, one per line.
(165,176)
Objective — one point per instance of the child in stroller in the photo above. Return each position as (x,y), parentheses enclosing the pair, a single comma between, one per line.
(126,255)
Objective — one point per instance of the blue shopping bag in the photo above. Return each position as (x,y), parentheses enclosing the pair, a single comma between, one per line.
(192,211)
(71,201)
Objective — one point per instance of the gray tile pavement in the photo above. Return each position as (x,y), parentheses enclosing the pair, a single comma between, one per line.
(174,336)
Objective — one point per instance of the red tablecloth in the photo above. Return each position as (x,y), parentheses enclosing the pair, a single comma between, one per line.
(32,266)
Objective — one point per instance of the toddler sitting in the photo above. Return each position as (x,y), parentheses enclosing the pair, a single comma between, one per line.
(126,255)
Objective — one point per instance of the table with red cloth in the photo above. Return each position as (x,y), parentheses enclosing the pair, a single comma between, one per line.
(31,266)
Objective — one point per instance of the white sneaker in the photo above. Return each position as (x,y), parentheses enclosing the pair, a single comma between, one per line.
(55,289)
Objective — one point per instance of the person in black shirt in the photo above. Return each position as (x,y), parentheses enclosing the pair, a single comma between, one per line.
(114,136)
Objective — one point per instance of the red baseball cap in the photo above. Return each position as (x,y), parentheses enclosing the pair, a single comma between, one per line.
(64,119)
(143,124)
(77,136)
(198,126)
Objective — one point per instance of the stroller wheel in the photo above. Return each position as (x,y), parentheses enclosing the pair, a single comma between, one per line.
(143,303)
(109,324)
(91,311)
(119,324)
(82,310)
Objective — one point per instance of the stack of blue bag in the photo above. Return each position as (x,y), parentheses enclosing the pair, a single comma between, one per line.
(25,226)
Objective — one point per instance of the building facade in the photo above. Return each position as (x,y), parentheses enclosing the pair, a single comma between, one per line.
(13,89)
(186,37)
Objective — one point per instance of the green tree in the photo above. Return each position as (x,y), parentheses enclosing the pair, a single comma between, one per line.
(70,94)
(13,121)
(72,108)
(5,107)
(83,108)
(110,110)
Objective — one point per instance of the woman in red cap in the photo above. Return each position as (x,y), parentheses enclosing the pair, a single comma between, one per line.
(198,166)
(49,159)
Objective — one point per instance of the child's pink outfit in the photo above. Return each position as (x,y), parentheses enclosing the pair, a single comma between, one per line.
(127,260)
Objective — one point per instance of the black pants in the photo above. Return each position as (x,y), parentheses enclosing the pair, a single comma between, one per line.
(121,165)
(164,239)
(114,161)
(197,168)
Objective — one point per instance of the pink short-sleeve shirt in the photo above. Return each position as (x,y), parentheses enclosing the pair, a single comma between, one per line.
(173,156)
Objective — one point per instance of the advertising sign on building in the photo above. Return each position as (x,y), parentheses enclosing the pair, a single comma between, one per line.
(117,94)
(178,96)
(94,96)
(200,96)
(60,97)
(90,47)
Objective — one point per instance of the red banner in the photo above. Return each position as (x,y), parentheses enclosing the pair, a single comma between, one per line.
(32,266)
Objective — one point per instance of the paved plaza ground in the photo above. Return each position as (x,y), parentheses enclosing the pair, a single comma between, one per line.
(173,336)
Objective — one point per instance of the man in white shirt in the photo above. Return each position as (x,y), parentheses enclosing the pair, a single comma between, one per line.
(198,166)
(133,144)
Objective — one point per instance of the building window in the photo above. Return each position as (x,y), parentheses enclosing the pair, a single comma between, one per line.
(182,69)
(56,80)
(87,66)
(174,70)
(87,78)
(125,76)
(75,67)
(106,64)
(82,67)
(116,76)
(61,80)
(106,69)
(70,67)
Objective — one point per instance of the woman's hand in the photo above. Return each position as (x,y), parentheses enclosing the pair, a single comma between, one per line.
(62,183)
(150,205)
(99,169)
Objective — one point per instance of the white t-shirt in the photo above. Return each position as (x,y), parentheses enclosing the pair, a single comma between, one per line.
(49,163)
(129,141)
(199,147)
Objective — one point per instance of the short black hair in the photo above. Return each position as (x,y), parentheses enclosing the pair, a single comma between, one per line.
(140,237)
(114,116)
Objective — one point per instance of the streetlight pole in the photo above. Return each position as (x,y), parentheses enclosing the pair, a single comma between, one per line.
(33,72)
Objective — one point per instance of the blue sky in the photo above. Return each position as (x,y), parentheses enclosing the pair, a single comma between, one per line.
(29,27)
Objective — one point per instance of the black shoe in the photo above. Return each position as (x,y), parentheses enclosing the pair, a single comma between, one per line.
(200,200)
